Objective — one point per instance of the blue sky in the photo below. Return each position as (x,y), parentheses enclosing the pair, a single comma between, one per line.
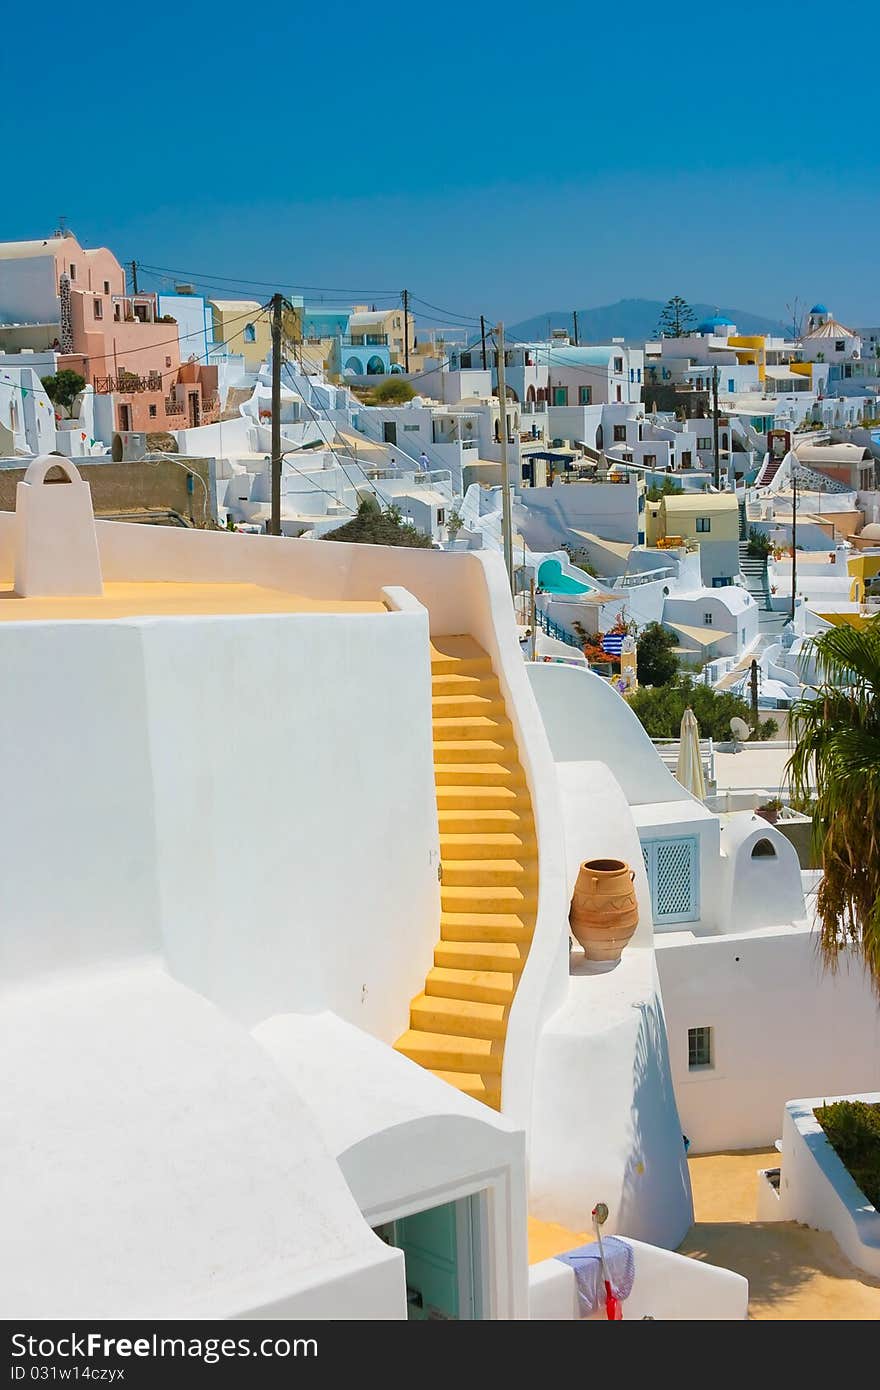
(495,159)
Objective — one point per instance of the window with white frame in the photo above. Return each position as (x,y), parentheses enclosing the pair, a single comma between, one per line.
(708,619)
(704,442)
(618,365)
(704,523)
(585,395)
(700,1051)
(620,434)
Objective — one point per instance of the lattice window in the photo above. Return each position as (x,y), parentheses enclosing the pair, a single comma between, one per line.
(673,868)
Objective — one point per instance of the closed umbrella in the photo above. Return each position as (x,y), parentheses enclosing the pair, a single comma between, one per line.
(689,769)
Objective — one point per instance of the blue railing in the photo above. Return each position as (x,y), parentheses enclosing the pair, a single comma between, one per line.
(553,629)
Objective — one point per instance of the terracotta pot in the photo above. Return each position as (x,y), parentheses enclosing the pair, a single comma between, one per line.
(604,909)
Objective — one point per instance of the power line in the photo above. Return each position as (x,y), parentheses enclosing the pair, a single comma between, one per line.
(264,284)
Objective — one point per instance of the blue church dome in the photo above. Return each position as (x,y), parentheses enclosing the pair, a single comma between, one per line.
(710,325)
(818,309)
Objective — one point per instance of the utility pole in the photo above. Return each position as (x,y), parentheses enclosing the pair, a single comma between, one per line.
(506,521)
(715,428)
(753,682)
(793,537)
(575,317)
(406,330)
(134,277)
(275,514)
(483,339)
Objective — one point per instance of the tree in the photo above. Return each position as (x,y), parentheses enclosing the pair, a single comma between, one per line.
(394,390)
(373,526)
(668,488)
(64,387)
(657,661)
(677,319)
(660,710)
(837,751)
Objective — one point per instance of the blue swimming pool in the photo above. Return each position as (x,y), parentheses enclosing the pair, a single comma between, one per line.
(553,581)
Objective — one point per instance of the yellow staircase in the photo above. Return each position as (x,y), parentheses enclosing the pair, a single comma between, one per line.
(489,858)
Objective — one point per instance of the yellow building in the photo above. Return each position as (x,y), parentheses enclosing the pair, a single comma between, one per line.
(709,520)
(385,326)
(243,326)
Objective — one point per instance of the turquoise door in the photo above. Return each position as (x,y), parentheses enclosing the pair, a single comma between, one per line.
(439,1252)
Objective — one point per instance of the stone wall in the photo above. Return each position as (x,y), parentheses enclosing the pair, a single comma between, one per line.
(139,488)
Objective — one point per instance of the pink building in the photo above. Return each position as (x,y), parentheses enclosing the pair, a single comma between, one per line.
(55,294)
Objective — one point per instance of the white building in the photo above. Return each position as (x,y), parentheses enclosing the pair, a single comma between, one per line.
(207,945)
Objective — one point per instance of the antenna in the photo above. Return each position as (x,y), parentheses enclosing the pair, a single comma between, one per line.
(62,229)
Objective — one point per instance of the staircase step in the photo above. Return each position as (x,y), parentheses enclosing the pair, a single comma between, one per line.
(466,1018)
(469,726)
(474,956)
(461,666)
(463,794)
(451,1053)
(460,683)
(484,1088)
(461,706)
(478,774)
(456,925)
(482,845)
(465,821)
(475,750)
(521,874)
(494,897)
(486,986)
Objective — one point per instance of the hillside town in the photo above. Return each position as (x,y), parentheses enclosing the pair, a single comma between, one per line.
(423,835)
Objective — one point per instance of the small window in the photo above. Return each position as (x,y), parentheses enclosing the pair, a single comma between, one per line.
(620,434)
(731,384)
(250,333)
(167,361)
(152,412)
(763,850)
(585,395)
(704,442)
(649,460)
(99,308)
(699,1049)
(441,517)
(704,524)
(72,271)
(686,459)
(560,395)
(465,359)
(708,620)
(618,365)
(839,345)
(106,286)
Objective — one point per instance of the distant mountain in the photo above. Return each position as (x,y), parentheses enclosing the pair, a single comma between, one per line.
(635,320)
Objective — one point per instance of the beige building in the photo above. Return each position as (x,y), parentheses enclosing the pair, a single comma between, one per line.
(243,326)
(707,519)
(383,326)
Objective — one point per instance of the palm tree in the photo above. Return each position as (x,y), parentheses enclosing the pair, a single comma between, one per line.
(837,751)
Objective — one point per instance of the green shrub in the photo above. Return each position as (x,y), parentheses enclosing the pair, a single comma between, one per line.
(394,390)
(373,526)
(660,710)
(853,1131)
(759,544)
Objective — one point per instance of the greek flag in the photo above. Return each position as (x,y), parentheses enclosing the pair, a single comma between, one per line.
(612,643)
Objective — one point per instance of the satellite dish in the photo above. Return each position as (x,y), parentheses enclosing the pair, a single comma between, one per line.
(740,729)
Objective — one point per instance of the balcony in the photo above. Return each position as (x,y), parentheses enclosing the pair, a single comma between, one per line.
(365,340)
(128,382)
(173,407)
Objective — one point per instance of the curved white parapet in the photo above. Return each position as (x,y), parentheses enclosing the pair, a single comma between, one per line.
(605,1122)
(56,548)
(585,718)
(667,1288)
(818,1190)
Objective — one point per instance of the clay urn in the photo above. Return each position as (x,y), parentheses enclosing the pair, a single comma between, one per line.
(604,908)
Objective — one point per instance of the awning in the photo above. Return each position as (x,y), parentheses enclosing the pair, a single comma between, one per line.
(700,635)
(619,548)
